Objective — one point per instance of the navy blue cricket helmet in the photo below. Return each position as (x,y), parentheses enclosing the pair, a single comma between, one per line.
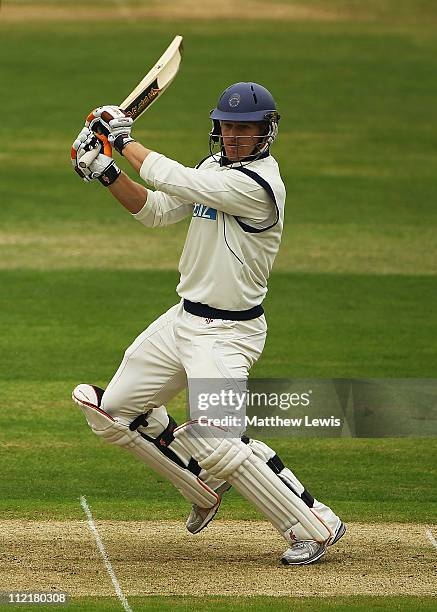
(246,102)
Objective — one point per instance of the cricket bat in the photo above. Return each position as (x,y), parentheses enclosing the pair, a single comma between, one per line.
(148,90)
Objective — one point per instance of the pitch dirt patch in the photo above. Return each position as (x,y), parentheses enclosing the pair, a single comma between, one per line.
(229,558)
(183,9)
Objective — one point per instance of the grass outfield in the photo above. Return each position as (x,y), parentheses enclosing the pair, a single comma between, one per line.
(221,604)
(86,338)
(353,291)
(320,325)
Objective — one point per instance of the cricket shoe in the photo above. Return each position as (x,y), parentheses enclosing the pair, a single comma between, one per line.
(200,517)
(309,551)
(87,395)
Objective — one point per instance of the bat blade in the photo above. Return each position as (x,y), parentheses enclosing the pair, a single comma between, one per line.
(156,80)
(150,88)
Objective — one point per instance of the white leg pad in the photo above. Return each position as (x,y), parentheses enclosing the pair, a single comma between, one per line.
(115,432)
(328,517)
(232,460)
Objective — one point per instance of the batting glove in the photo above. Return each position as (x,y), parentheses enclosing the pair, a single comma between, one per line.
(103,167)
(114,123)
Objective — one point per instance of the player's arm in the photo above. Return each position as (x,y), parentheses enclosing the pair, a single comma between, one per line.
(130,194)
(136,153)
(150,208)
(230,191)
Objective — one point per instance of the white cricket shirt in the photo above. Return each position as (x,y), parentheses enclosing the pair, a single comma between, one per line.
(235,230)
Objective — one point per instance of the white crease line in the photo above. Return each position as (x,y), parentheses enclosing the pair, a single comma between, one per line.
(431,538)
(106,561)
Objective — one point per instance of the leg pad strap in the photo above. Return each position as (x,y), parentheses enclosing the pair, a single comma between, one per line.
(115,432)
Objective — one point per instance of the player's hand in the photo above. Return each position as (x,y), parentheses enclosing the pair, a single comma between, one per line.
(85,142)
(103,166)
(114,123)
(92,145)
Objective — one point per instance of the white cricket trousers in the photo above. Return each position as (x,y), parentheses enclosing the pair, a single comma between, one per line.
(176,347)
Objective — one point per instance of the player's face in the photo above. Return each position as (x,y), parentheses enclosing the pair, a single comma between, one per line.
(240,138)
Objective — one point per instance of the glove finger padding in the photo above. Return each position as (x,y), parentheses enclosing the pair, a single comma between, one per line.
(85,142)
(102,167)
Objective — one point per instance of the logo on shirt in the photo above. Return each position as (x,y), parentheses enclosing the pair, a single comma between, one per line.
(204,212)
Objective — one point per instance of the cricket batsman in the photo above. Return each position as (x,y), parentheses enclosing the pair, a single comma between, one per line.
(235,198)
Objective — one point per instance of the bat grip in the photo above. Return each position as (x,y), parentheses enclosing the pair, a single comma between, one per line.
(106,117)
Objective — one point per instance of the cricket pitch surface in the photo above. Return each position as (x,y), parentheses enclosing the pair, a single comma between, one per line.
(228,558)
